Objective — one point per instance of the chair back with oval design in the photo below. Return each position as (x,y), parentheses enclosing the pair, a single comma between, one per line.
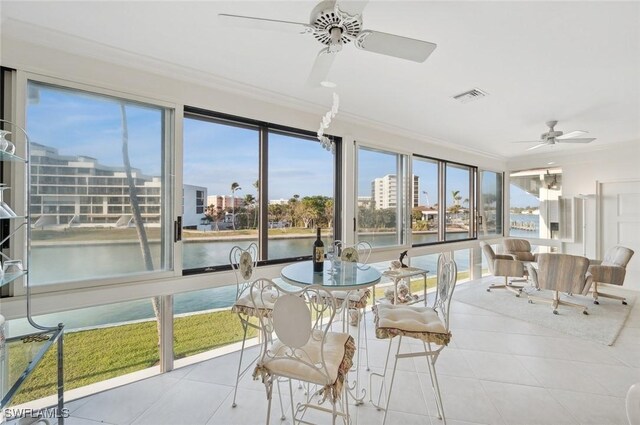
(305,348)
(358,253)
(447,276)
(243,262)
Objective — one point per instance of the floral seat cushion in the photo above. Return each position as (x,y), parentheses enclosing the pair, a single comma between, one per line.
(422,323)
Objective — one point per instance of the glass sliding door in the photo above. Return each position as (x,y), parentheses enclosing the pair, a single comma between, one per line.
(221,161)
(490,204)
(459,201)
(381,191)
(301,194)
(424,212)
(99,187)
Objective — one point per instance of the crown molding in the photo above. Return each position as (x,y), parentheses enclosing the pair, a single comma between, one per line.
(82,47)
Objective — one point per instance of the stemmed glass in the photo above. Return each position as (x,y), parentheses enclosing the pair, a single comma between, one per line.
(331,258)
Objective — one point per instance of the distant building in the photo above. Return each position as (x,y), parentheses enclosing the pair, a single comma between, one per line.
(193,207)
(278,201)
(77,190)
(384,191)
(224,201)
(364,201)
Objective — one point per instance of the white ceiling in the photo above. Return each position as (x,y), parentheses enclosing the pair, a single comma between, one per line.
(576,62)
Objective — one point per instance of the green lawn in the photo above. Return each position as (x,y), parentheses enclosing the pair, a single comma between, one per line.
(99,354)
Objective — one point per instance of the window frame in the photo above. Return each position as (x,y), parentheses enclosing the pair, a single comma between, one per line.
(168,167)
(264,128)
(479,198)
(403,214)
(442,196)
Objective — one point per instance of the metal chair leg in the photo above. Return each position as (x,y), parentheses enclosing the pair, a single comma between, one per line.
(269,397)
(393,375)
(366,339)
(244,339)
(435,386)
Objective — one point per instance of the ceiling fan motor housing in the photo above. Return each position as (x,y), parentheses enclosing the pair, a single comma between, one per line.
(325,17)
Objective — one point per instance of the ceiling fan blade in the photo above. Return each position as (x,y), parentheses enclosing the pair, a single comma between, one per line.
(395,45)
(537,146)
(321,68)
(585,140)
(572,134)
(527,141)
(351,8)
(264,24)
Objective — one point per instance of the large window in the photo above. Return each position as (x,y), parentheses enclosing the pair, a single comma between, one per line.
(535,203)
(490,204)
(98,185)
(221,160)
(301,194)
(381,189)
(264,184)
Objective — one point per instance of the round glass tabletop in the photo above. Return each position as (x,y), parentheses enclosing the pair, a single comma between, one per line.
(347,275)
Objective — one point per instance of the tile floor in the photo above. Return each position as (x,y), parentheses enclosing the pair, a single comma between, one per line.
(496,371)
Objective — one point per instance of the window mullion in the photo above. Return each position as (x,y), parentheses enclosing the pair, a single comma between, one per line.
(263,194)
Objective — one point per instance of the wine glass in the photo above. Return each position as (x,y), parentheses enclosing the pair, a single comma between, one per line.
(331,257)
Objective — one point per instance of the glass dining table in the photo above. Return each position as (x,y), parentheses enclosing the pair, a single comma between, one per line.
(343,277)
(346,277)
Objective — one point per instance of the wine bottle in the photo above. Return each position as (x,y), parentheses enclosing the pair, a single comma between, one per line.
(318,253)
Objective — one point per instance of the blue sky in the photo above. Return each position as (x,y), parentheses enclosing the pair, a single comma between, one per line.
(215,155)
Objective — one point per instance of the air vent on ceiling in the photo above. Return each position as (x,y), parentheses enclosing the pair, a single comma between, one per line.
(470,95)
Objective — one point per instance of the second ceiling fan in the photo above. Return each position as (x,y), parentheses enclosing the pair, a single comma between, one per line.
(553,137)
(334,25)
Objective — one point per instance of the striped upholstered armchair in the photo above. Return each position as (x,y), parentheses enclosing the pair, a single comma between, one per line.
(612,269)
(503,265)
(520,248)
(560,273)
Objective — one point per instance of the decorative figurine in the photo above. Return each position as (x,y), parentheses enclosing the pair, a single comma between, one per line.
(402,257)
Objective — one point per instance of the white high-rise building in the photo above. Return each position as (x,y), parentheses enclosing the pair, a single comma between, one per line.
(384,191)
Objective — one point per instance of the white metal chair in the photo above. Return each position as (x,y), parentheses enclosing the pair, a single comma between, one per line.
(243,262)
(428,324)
(305,348)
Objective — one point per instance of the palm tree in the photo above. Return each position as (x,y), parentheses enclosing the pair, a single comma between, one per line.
(234,187)
(456,197)
(250,203)
(135,210)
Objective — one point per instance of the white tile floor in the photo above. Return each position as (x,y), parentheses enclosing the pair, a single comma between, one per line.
(496,371)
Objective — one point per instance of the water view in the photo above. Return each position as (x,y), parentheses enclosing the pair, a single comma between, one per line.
(127,257)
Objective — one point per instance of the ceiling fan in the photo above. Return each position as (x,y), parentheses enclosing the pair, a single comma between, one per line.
(553,137)
(334,25)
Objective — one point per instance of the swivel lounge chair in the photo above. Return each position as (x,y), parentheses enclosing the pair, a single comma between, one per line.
(560,273)
(503,265)
(612,270)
